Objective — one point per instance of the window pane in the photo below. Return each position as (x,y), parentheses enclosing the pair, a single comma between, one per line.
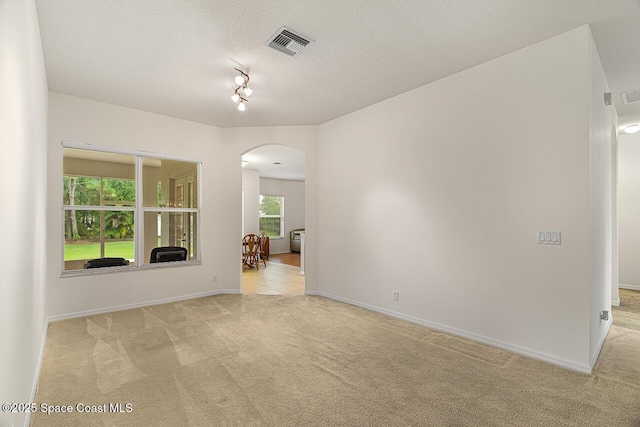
(83,164)
(170,229)
(93,178)
(270,205)
(271,226)
(118,224)
(81,227)
(271,208)
(97,234)
(79,191)
(119,192)
(120,248)
(169,183)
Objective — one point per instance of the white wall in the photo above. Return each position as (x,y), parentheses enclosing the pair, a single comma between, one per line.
(293,192)
(615,259)
(251,192)
(220,150)
(23,138)
(629,209)
(82,120)
(444,188)
(600,146)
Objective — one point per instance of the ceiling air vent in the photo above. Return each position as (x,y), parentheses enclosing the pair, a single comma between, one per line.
(286,41)
(631,97)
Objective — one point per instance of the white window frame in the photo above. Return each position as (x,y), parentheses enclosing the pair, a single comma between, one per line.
(281,216)
(139,209)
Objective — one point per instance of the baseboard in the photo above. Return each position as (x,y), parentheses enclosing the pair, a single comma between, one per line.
(141,304)
(596,353)
(279,253)
(34,387)
(228,291)
(523,351)
(630,287)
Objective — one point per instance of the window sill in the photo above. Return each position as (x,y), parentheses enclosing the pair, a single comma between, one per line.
(110,270)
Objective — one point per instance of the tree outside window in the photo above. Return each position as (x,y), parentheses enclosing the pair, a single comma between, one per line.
(272,216)
(83,225)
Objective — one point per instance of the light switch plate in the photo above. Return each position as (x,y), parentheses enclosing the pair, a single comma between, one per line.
(549,237)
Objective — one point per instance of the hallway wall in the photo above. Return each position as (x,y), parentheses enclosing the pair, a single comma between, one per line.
(23,137)
(445,188)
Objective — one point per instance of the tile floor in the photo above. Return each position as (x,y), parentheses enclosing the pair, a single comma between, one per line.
(274,279)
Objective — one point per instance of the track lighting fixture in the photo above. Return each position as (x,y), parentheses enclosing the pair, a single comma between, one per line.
(243,89)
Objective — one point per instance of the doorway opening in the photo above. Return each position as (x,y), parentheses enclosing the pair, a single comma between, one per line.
(273,221)
(626,225)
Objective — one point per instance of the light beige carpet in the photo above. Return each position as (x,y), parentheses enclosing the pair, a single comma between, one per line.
(257,360)
(628,314)
(620,356)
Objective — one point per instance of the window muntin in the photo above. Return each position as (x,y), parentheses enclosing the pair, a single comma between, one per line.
(101,206)
(272,215)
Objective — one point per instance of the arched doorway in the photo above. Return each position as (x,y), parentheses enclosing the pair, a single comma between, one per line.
(273,204)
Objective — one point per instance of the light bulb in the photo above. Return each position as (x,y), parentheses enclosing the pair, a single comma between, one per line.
(239,80)
(247,91)
(632,128)
(241,106)
(235,97)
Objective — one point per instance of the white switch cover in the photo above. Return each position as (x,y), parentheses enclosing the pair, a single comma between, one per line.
(549,237)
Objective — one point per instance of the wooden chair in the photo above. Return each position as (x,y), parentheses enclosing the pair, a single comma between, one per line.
(250,251)
(263,244)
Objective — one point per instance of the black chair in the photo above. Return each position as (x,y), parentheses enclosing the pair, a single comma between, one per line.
(106,262)
(168,254)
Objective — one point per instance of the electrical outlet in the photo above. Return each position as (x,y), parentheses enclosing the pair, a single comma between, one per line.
(396,296)
(215,277)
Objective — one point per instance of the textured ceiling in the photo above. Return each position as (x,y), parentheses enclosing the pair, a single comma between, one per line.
(291,162)
(176,57)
